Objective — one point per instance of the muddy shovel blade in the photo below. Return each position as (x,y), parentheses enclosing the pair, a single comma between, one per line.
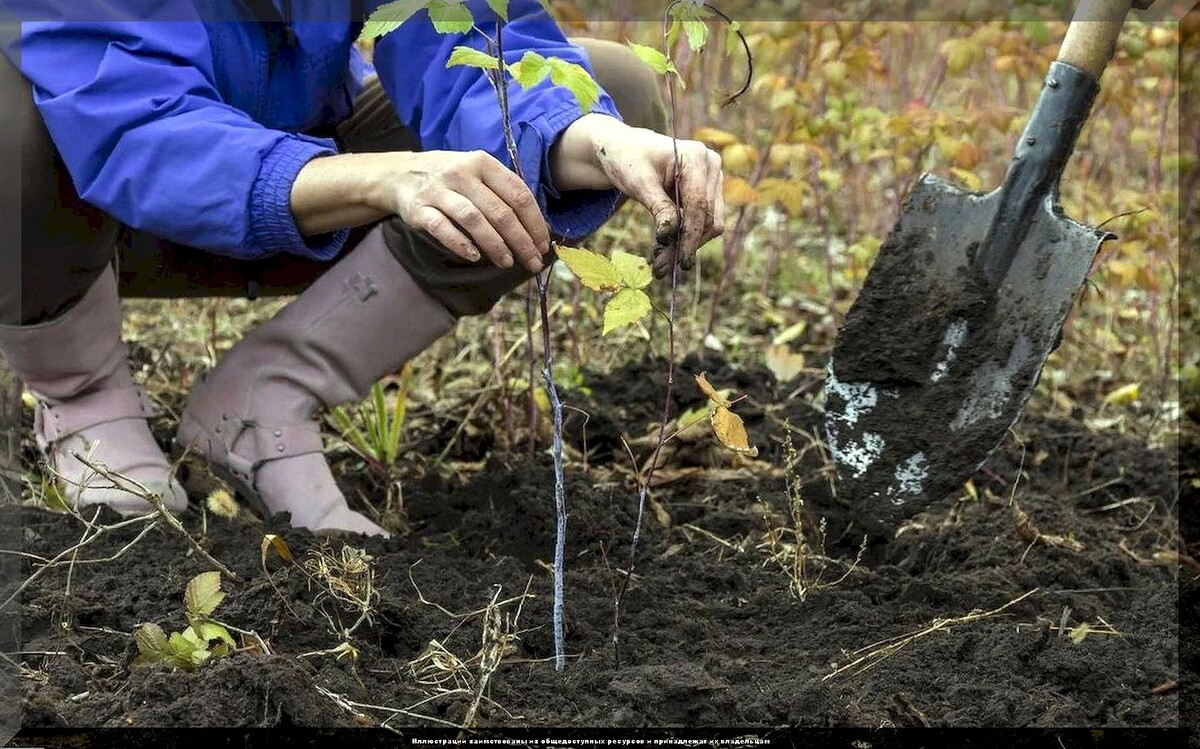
(934,364)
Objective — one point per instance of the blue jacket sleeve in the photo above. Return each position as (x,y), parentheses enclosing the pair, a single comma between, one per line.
(455,108)
(129,98)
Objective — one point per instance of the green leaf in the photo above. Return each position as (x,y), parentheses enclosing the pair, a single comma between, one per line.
(212,632)
(634,269)
(389,17)
(499,7)
(185,652)
(451,17)
(472,57)
(594,271)
(203,594)
(151,644)
(576,79)
(659,62)
(530,70)
(697,34)
(626,308)
(732,40)
(691,15)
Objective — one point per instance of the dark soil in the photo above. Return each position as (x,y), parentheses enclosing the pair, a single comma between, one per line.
(710,633)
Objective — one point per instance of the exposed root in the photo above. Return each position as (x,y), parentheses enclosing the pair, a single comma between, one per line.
(874,654)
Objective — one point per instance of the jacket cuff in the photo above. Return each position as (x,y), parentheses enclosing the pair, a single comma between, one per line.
(578,213)
(272,225)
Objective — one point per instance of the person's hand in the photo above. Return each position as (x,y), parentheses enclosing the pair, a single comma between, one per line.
(600,152)
(472,204)
(467,201)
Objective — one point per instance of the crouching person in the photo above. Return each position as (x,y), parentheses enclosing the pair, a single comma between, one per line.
(191,158)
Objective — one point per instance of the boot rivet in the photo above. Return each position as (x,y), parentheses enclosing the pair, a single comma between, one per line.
(217,430)
(278,432)
(224,417)
(279,448)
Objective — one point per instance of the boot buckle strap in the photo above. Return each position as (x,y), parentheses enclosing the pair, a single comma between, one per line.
(57,422)
(273,443)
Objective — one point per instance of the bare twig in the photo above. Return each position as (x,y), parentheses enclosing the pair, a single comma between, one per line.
(164,514)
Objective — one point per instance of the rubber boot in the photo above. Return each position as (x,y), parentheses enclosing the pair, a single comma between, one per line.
(76,366)
(256,415)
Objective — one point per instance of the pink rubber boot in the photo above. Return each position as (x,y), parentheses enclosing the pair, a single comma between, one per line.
(256,416)
(88,405)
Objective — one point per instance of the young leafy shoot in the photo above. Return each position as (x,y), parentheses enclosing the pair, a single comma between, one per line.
(727,425)
(202,639)
(691,17)
(626,274)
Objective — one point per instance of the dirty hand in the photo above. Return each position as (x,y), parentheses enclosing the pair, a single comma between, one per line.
(468,201)
(599,152)
(472,203)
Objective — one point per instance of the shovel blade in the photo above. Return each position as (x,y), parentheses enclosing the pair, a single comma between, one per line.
(932,366)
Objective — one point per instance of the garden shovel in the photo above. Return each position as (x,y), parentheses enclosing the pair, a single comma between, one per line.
(965,301)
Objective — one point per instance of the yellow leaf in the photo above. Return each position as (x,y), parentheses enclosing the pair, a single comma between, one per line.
(542,398)
(273,542)
(594,271)
(738,191)
(1124,395)
(969,179)
(709,391)
(28,399)
(784,364)
(626,308)
(785,192)
(739,157)
(731,431)
(972,492)
(791,333)
(634,269)
(714,138)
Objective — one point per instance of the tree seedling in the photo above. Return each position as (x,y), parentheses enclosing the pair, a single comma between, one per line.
(202,639)
(625,275)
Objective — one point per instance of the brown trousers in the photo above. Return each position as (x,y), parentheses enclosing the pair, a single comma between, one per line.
(64,244)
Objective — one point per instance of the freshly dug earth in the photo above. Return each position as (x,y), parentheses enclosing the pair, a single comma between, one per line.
(711,632)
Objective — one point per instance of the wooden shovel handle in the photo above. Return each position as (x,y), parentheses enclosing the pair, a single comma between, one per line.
(1092,36)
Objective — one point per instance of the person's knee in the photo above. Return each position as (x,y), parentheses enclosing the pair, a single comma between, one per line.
(633,86)
(466,289)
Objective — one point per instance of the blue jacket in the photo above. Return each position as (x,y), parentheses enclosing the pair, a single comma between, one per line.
(186,118)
